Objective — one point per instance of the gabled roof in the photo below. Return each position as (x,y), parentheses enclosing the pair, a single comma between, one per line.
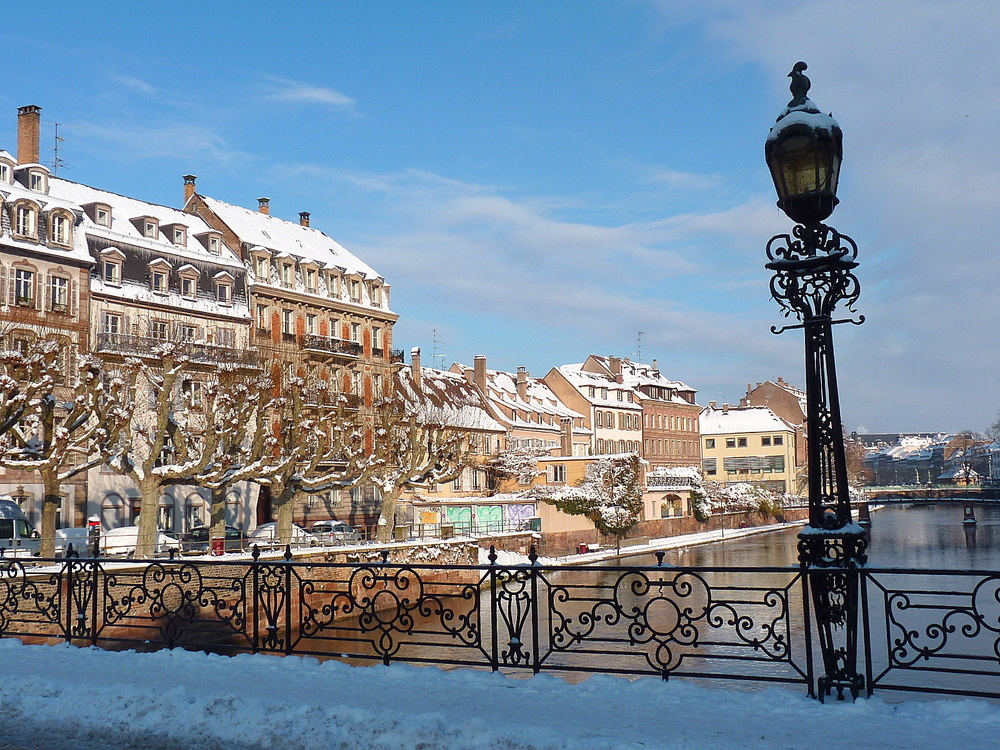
(257,229)
(123,230)
(445,398)
(741,419)
(640,374)
(581,379)
(16,191)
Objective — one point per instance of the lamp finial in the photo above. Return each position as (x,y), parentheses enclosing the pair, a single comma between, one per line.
(799,86)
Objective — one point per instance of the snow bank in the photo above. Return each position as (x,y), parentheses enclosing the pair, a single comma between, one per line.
(60,696)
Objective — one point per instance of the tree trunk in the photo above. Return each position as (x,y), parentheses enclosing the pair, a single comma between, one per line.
(50,506)
(218,513)
(285,512)
(387,516)
(149,490)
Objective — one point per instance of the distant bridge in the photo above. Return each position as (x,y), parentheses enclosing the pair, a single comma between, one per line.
(913,494)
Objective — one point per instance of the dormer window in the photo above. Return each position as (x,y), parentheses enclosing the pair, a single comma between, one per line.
(214,245)
(149,229)
(355,290)
(263,269)
(377,296)
(102,216)
(158,282)
(189,281)
(311,280)
(287,274)
(60,229)
(333,285)
(148,226)
(4,173)
(26,221)
(36,181)
(223,288)
(112,272)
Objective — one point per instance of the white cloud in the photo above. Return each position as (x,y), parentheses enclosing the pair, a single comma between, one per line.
(297,92)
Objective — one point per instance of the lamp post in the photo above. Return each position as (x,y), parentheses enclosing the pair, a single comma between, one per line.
(813,272)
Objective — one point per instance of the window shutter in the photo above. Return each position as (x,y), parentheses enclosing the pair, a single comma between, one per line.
(38,291)
(46,304)
(71,294)
(3,282)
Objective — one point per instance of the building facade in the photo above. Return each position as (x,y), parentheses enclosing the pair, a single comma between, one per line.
(749,444)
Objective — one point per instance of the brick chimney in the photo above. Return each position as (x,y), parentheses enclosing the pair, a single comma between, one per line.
(713,405)
(479,371)
(725,408)
(189,187)
(264,205)
(522,383)
(615,365)
(415,369)
(656,368)
(29,126)
(304,218)
(566,436)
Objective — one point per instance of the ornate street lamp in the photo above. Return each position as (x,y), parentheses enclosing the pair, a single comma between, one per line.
(813,272)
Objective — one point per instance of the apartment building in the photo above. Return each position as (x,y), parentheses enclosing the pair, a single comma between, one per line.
(610,407)
(749,444)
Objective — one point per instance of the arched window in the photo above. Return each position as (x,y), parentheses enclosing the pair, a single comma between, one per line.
(114,512)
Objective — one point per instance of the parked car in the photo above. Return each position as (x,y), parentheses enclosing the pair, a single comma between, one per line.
(266,535)
(123,541)
(198,540)
(334,532)
(16,532)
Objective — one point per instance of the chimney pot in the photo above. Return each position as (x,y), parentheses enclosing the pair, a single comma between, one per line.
(29,125)
(656,366)
(713,404)
(479,371)
(264,205)
(725,408)
(189,188)
(415,370)
(304,218)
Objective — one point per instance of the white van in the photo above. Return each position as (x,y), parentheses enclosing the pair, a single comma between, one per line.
(16,532)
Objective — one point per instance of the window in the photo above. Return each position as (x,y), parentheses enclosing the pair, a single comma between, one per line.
(377,296)
(311,280)
(180,236)
(591,390)
(765,440)
(158,329)
(779,440)
(223,292)
(263,318)
(36,181)
(356,332)
(600,418)
(214,245)
(188,332)
(287,321)
(60,230)
(189,287)
(112,272)
(334,328)
(158,282)
(730,442)
(376,338)
(355,290)
(25,223)
(709,442)
(311,324)
(741,442)
(286,274)
(111,323)
(24,287)
(102,216)
(192,392)
(4,173)
(225,337)
(629,396)
(557,473)
(263,270)
(604,394)
(149,229)
(58,294)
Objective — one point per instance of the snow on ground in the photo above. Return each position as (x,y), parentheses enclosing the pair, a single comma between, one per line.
(61,697)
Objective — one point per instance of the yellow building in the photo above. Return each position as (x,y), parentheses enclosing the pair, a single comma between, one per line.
(749,444)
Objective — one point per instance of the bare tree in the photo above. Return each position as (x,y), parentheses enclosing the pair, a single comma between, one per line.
(61,437)
(412,447)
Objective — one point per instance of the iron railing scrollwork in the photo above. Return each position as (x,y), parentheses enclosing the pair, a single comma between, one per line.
(937,631)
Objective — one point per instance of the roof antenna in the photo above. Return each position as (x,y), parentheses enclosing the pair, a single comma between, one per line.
(638,346)
(57,161)
(437,352)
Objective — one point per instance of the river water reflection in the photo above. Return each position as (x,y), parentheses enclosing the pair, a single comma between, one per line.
(902,536)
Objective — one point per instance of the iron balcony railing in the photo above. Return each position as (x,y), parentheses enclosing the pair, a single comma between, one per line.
(328,345)
(147,346)
(668,483)
(931,631)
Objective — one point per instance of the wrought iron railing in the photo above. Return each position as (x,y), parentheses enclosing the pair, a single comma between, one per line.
(332,346)
(149,346)
(930,631)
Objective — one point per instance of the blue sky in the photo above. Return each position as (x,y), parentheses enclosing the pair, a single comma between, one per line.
(542,181)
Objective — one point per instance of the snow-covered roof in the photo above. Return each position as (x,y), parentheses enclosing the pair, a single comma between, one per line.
(124,230)
(640,374)
(741,419)
(541,410)
(581,380)
(277,235)
(446,398)
(17,191)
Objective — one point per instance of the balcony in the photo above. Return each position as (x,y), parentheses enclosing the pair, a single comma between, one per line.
(664,483)
(335,347)
(147,346)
